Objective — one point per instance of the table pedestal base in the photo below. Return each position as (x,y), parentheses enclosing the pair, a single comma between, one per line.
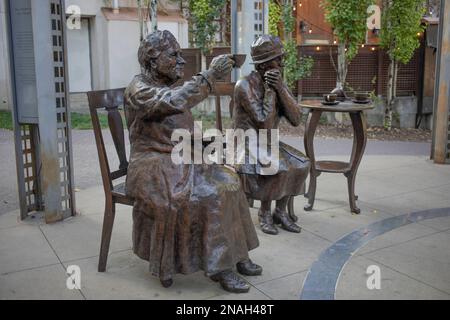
(348,169)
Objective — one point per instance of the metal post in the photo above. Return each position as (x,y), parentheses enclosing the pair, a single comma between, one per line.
(41,108)
(440,145)
(234,36)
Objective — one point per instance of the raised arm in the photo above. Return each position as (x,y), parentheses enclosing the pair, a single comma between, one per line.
(259,112)
(289,107)
(154,102)
(149,102)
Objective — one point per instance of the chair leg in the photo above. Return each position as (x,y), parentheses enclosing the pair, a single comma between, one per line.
(291,211)
(251,202)
(108,221)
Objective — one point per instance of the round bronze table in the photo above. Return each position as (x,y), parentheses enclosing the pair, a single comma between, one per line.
(349,169)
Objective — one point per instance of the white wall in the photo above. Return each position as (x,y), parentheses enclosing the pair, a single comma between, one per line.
(79,61)
(179,30)
(123,45)
(114,44)
(99,41)
(88,7)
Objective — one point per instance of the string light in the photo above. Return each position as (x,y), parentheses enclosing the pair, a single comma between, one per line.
(304,21)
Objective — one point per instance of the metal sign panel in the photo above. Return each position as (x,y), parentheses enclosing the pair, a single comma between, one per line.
(23,60)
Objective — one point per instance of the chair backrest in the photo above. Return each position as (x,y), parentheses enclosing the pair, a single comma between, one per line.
(109,100)
(223,89)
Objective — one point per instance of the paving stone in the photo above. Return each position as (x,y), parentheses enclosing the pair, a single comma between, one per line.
(285,253)
(24,247)
(426,259)
(286,288)
(127,277)
(397,236)
(43,283)
(79,237)
(352,284)
(333,224)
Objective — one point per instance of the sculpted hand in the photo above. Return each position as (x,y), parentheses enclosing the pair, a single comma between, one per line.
(221,65)
(274,79)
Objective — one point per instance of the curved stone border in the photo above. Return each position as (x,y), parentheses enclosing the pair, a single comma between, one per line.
(321,280)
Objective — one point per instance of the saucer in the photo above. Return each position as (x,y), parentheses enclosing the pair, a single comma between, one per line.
(327,103)
(361,101)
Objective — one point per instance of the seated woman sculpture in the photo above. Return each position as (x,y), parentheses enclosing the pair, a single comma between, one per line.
(261,100)
(186,217)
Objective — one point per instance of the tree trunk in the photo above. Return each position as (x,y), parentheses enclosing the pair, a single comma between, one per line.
(394,90)
(154,15)
(390,95)
(342,67)
(141,20)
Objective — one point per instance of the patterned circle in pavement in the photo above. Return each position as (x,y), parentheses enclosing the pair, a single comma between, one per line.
(321,280)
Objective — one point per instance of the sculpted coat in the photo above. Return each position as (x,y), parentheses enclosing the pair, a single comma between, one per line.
(258,106)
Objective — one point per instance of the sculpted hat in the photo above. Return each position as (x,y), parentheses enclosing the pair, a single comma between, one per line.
(266,48)
(155,43)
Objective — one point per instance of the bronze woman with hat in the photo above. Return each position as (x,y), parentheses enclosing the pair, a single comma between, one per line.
(262,99)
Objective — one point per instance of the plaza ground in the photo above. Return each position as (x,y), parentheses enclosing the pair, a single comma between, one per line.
(395,179)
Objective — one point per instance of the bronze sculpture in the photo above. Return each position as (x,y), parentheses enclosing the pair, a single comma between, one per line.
(186,217)
(261,100)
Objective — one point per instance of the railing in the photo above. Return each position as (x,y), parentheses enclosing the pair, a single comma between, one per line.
(367,72)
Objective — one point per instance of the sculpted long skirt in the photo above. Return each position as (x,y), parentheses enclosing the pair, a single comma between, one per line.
(289,181)
(188,218)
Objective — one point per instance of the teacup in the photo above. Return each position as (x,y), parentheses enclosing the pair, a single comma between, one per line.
(362,96)
(330,97)
(239,60)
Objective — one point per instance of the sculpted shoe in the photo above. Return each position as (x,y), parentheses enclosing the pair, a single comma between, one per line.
(231,282)
(248,268)
(167,283)
(287,224)
(266,222)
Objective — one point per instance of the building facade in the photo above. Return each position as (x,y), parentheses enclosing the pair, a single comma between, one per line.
(102,53)
(102,43)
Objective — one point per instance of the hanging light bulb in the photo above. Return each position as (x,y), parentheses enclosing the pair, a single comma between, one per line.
(318,48)
(363,45)
(310,31)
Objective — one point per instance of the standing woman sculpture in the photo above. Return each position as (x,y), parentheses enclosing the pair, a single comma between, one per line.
(186,217)
(261,100)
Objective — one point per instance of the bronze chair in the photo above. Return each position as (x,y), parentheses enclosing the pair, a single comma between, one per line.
(109,100)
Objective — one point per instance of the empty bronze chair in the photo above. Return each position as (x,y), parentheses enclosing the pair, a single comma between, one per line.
(109,100)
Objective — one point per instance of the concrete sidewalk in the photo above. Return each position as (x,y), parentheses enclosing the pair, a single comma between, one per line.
(414,259)
(87,172)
